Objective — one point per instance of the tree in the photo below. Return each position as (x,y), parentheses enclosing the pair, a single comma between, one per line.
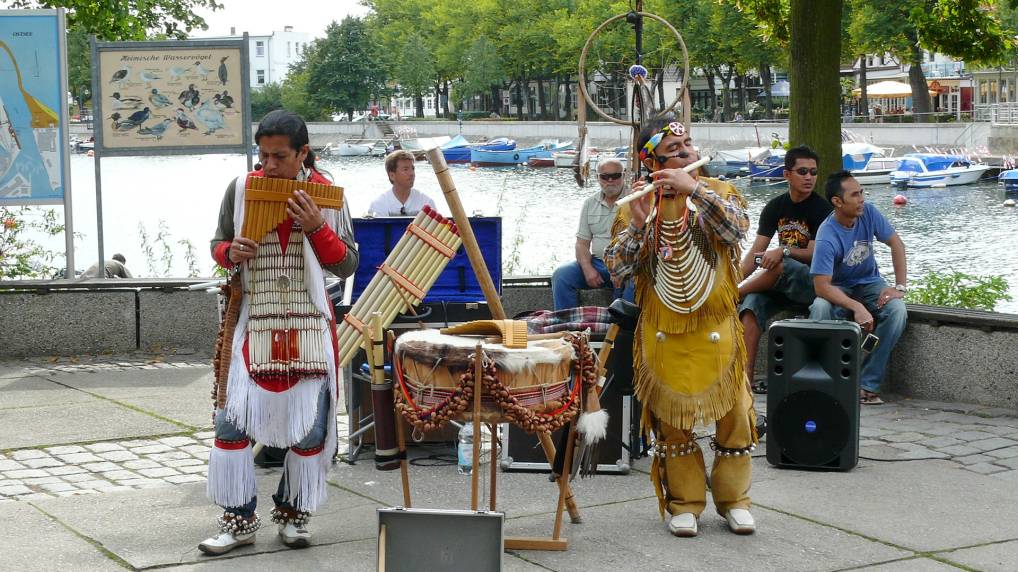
(117,21)
(415,72)
(129,19)
(482,71)
(964,29)
(265,99)
(814,63)
(293,95)
(342,71)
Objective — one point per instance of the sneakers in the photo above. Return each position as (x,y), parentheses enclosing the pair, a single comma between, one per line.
(295,536)
(225,542)
(683,525)
(740,521)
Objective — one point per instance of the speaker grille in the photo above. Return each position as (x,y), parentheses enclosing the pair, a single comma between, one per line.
(811,427)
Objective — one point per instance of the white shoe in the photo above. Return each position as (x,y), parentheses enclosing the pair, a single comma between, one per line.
(225,542)
(683,525)
(740,521)
(295,536)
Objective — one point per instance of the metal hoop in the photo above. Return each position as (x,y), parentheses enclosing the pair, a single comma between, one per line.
(586,49)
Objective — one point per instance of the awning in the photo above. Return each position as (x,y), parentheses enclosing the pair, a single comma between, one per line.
(887,89)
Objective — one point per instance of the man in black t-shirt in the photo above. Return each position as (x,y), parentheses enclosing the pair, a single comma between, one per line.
(785,281)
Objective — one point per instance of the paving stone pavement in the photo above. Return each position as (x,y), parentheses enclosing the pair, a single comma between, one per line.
(980,440)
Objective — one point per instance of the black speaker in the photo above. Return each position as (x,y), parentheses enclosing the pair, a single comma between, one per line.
(813,394)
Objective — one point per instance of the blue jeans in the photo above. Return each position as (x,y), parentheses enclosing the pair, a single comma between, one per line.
(794,287)
(890,323)
(227,431)
(568,280)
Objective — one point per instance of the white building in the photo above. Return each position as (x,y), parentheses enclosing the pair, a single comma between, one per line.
(271,55)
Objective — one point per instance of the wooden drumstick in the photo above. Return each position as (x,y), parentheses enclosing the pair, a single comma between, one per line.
(653,186)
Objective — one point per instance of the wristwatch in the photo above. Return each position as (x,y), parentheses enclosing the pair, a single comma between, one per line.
(900,288)
(786,251)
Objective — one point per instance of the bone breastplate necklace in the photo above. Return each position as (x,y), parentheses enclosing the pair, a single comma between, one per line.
(685,265)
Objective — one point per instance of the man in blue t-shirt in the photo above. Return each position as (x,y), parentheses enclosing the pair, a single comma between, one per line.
(847,281)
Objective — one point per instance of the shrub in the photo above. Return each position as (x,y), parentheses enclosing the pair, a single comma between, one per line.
(959,290)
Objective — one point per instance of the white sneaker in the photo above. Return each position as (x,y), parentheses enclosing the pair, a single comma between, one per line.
(225,542)
(740,521)
(683,525)
(295,536)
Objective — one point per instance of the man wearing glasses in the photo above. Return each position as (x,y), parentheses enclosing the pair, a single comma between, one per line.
(592,236)
(403,199)
(784,281)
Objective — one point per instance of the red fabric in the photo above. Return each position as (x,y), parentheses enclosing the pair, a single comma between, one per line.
(232,445)
(327,245)
(308,452)
(221,254)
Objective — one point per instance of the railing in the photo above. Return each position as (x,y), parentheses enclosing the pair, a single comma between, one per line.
(997,113)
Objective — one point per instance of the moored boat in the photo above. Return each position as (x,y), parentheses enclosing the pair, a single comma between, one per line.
(484,158)
(925,170)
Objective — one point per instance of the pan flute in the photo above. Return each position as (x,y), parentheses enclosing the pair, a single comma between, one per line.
(404,279)
(265,202)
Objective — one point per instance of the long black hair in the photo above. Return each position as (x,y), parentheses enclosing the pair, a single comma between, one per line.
(283,122)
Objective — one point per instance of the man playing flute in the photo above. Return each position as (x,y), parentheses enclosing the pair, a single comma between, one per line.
(283,381)
(681,243)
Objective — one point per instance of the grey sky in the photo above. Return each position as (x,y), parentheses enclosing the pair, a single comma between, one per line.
(265,16)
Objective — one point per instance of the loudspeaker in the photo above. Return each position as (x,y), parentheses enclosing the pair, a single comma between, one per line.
(813,394)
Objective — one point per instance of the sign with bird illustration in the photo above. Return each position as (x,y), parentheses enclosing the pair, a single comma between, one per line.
(171,97)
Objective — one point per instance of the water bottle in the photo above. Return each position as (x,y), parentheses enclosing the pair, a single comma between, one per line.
(465,449)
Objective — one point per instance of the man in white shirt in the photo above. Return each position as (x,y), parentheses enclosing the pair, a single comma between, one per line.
(403,199)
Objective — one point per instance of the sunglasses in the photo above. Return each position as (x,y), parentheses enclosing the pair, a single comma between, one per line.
(610,176)
(803,171)
(402,210)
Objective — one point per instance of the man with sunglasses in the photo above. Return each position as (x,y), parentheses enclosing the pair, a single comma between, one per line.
(592,236)
(784,281)
(681,243)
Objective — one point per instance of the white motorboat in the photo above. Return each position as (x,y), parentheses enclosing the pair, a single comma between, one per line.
(877,171)
(925,170)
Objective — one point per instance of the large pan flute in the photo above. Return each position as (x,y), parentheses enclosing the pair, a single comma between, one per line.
(265,202)
(404,279)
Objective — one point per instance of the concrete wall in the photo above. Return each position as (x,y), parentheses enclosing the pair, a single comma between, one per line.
(724,135)
(1000,139)
(944,355)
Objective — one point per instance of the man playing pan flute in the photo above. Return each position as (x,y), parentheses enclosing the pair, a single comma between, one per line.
(681,243)
(279,366)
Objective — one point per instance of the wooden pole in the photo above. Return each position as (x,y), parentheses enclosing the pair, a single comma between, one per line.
(563,480)
(452,198)
(476,467)
(493,428)
(549,451)
(404,473)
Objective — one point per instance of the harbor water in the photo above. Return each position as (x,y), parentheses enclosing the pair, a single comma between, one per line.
(154,206)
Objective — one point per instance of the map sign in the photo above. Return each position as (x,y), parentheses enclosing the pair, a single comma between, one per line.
(159,97)
(33,152)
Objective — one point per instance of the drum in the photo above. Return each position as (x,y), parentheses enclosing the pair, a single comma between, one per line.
(537,387)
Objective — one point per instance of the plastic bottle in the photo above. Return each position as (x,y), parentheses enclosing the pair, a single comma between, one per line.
(465,449)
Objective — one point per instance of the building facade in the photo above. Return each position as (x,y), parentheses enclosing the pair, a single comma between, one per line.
(270,56)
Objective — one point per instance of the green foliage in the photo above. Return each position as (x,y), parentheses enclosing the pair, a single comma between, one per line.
(129,19)
(482,68)
(415,72)
(266,99)
(343,73)
(22,258)
(159,251)
(294,97)
(959,290)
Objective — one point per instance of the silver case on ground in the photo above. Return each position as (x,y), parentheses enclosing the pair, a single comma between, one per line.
(431,539)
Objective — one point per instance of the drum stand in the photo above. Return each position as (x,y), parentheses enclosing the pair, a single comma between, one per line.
(555,541)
